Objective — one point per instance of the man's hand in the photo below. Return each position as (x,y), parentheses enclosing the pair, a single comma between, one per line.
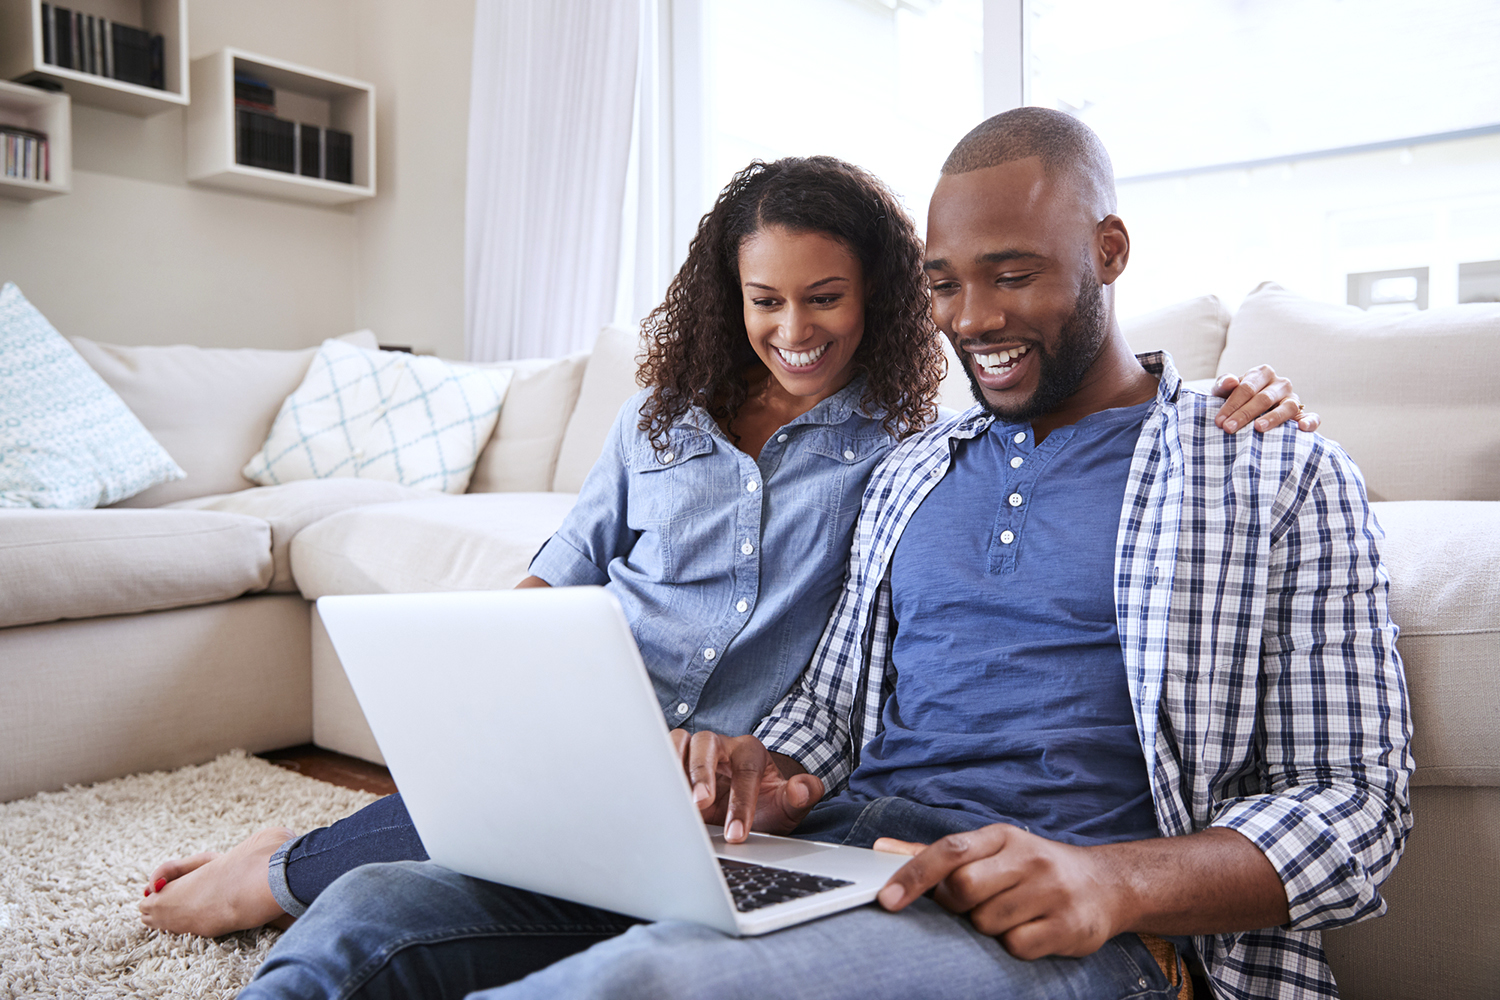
(739,783)
(1037,896)
(1042,898)
(1260,394)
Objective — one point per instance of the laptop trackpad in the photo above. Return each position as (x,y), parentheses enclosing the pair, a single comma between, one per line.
(766,850)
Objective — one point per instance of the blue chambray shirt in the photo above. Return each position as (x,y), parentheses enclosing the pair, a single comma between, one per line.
(726,566)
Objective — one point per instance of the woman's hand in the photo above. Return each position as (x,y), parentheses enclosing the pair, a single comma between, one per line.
(1260,395)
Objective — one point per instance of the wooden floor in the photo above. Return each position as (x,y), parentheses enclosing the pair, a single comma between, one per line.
(334,768)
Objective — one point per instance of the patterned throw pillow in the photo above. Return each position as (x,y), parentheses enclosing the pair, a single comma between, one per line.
(66,438)
(386,415)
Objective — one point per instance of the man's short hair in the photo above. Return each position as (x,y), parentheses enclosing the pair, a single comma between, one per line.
(1064,144)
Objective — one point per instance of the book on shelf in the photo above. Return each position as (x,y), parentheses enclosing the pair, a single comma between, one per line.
(309,150)
(265,141)
(96,45)
(271,143)
(26,154)
(338,156)
(250,91)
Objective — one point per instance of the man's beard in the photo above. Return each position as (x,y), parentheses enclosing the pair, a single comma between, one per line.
(1060,373)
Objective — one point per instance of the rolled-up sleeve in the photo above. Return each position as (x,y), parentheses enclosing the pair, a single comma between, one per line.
(1335,811)
(597,529)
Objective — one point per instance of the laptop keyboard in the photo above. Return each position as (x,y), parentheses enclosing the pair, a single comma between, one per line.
(754,886)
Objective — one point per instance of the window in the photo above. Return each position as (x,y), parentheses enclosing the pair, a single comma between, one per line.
(889,85)
(1314,143)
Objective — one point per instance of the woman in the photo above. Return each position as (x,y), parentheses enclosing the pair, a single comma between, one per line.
(794,348)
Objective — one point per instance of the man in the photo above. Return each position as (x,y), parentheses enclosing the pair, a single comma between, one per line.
(1132,679)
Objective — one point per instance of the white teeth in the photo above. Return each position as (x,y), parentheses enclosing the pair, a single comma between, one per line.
(992,363)
(801,359)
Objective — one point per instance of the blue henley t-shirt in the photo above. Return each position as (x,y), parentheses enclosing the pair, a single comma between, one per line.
(1010,699)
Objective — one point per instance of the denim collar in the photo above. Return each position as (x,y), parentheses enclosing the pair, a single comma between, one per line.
(834,410)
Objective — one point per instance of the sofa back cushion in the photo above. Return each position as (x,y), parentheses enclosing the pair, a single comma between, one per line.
(1410,396)
(521,456)
(211,408)
(608,381)
(1193,332)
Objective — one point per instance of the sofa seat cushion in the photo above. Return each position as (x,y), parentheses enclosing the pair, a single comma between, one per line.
(480,541)
(293,506)
(88,563)
(1442,557)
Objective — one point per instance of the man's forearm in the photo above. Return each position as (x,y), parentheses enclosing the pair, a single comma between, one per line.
(1212,882)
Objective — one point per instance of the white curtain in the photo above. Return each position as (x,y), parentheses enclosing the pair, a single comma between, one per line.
(553,134)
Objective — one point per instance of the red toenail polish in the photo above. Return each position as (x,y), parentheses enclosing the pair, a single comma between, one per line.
(159,883)
(148,890)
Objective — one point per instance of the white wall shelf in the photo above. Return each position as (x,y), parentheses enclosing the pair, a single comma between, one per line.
(40,111)
(21,53)
(304,95)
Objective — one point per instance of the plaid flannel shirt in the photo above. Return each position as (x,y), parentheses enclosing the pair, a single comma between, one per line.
(1252,611)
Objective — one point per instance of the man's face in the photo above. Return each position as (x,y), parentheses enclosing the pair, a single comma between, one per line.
(1010,256)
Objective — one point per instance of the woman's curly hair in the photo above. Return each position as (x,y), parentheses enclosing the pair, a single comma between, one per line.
(697,348)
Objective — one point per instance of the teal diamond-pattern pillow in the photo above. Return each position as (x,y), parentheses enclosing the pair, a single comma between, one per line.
(66,438)
(388,415)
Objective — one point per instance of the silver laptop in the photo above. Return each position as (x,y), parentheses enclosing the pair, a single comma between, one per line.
(524,734)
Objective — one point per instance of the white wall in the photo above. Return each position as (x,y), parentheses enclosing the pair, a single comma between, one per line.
(136,255)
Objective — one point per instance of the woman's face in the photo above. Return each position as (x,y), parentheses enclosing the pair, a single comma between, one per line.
(804,308)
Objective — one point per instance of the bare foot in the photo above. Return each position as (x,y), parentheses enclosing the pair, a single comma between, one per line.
(167,871)
(210,894)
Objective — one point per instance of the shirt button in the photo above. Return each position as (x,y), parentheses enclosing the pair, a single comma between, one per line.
(747,548)
(1015,499)
(1006,537)
(1015,463)
(743,606)
(665,459)
(682,709)
(781,439)
(1020,437)
(848,455)
(936,472)
(752,486)
(709,654)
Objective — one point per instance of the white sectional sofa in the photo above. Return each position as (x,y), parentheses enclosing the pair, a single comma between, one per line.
(178,624)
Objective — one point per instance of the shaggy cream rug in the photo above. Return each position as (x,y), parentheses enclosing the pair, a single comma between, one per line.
(74,863)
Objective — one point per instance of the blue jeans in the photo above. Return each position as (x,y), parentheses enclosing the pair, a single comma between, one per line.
(304,866)
(417,929)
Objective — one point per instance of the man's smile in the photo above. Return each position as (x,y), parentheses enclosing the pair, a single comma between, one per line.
(1000,369)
